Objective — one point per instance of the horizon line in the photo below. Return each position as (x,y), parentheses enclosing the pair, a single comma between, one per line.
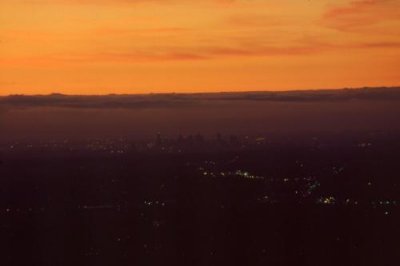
(206,92)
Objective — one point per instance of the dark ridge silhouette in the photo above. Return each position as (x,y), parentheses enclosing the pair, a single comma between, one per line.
(195,99)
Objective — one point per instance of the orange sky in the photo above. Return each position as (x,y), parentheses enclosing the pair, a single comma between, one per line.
(140,46)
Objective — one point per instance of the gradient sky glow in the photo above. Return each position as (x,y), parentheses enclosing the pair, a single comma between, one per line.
(140,46)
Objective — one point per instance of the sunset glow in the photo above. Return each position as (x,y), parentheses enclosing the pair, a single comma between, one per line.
(137,46)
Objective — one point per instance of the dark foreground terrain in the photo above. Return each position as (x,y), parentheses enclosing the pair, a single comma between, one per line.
(322,199)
